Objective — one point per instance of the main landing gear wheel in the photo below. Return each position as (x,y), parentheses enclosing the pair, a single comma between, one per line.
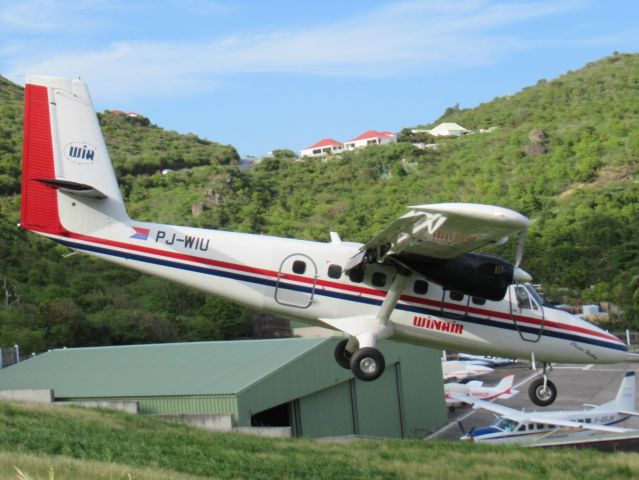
(540,395)
(343,356)
(367,364)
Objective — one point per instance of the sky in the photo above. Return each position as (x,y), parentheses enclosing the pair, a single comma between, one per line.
(262,75)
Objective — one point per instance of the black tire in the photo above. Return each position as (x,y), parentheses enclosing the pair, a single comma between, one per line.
(367,364)
(342,356)
(540,397)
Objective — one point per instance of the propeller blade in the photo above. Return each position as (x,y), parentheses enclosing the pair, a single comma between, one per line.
(520,247)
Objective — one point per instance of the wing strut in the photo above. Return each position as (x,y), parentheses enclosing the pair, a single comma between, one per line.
(383,330)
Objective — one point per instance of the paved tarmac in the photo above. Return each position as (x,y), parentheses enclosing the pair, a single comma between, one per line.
(576,384)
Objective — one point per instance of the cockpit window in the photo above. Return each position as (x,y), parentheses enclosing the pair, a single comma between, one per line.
(506,424)
(523,299)
(534,294)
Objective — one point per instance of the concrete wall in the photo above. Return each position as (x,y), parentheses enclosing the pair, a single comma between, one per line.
(221,422)
(28,395)
(128,406)
(273,432)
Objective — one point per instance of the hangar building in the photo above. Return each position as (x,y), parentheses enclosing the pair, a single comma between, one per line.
(283,382)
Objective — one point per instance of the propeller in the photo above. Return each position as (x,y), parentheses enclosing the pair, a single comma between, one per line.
(519,274)
(519,256)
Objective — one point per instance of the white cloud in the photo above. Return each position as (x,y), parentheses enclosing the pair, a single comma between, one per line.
(401,38)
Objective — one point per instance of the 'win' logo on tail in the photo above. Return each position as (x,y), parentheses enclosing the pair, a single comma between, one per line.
(80,152)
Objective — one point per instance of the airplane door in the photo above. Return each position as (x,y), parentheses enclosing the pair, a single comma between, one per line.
(527,313)
(296,280)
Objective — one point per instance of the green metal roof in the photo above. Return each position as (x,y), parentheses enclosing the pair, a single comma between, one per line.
(203,368)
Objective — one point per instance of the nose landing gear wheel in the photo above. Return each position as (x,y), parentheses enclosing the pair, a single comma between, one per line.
(367,364)
(343,356)
(542,396)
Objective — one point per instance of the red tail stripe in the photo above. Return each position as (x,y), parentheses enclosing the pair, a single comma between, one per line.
(39,202)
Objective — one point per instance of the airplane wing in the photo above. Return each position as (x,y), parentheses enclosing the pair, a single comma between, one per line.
(629,412)
(443,231)
(501,410)
(579,425)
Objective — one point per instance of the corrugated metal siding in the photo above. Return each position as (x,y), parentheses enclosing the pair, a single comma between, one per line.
(327,413)
(189,405)
(377,406)
(423,406)
(179,405)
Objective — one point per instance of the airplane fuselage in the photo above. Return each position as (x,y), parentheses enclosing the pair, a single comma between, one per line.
(305,281)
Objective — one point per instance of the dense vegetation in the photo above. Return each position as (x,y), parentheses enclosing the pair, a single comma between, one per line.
(564,153)
(70,443)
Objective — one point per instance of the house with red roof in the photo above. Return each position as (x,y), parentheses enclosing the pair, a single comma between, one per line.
(323,148)
(370,137)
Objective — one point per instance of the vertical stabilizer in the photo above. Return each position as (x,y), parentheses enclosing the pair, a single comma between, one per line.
(68,182)
(625,399)
(505,384)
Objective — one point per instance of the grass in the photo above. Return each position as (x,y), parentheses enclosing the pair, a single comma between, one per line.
(46,442)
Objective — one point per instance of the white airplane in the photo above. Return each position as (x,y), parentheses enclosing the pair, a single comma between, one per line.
(458,370)
(475,389)
(487,360)
(517,426)
(417,281)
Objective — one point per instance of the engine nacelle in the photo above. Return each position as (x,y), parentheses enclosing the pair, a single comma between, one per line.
(474,274)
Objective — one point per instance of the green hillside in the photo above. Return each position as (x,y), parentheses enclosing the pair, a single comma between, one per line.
(564,152)
(75,443)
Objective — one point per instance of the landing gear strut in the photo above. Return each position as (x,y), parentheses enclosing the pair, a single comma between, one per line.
(358,352)
(542,391)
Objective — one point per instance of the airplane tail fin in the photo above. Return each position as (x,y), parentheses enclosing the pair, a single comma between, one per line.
(505,383)
(625,399)
(68,182)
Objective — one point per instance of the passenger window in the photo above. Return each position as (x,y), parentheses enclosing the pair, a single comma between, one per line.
(420,287)
(356,275)
(299,267)
(456,296)
(334,271)
(522,428)
(531,427)
(479,301)
(379,279)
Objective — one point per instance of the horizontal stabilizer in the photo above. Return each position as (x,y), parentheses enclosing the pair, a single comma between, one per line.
(73,188)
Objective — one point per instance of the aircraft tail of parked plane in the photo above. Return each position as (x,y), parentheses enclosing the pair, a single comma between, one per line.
(624,402)
(420,280)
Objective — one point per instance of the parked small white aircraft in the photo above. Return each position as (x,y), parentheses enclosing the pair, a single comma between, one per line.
(516,426)
(487,360)
(476,389)
(458,370)
(417,281)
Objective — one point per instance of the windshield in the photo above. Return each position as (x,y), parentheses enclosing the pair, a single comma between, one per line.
(534,294)
(505,424)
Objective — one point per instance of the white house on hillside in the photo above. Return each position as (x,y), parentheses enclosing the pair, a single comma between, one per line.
(448,130)
(325,147)
(371,137)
